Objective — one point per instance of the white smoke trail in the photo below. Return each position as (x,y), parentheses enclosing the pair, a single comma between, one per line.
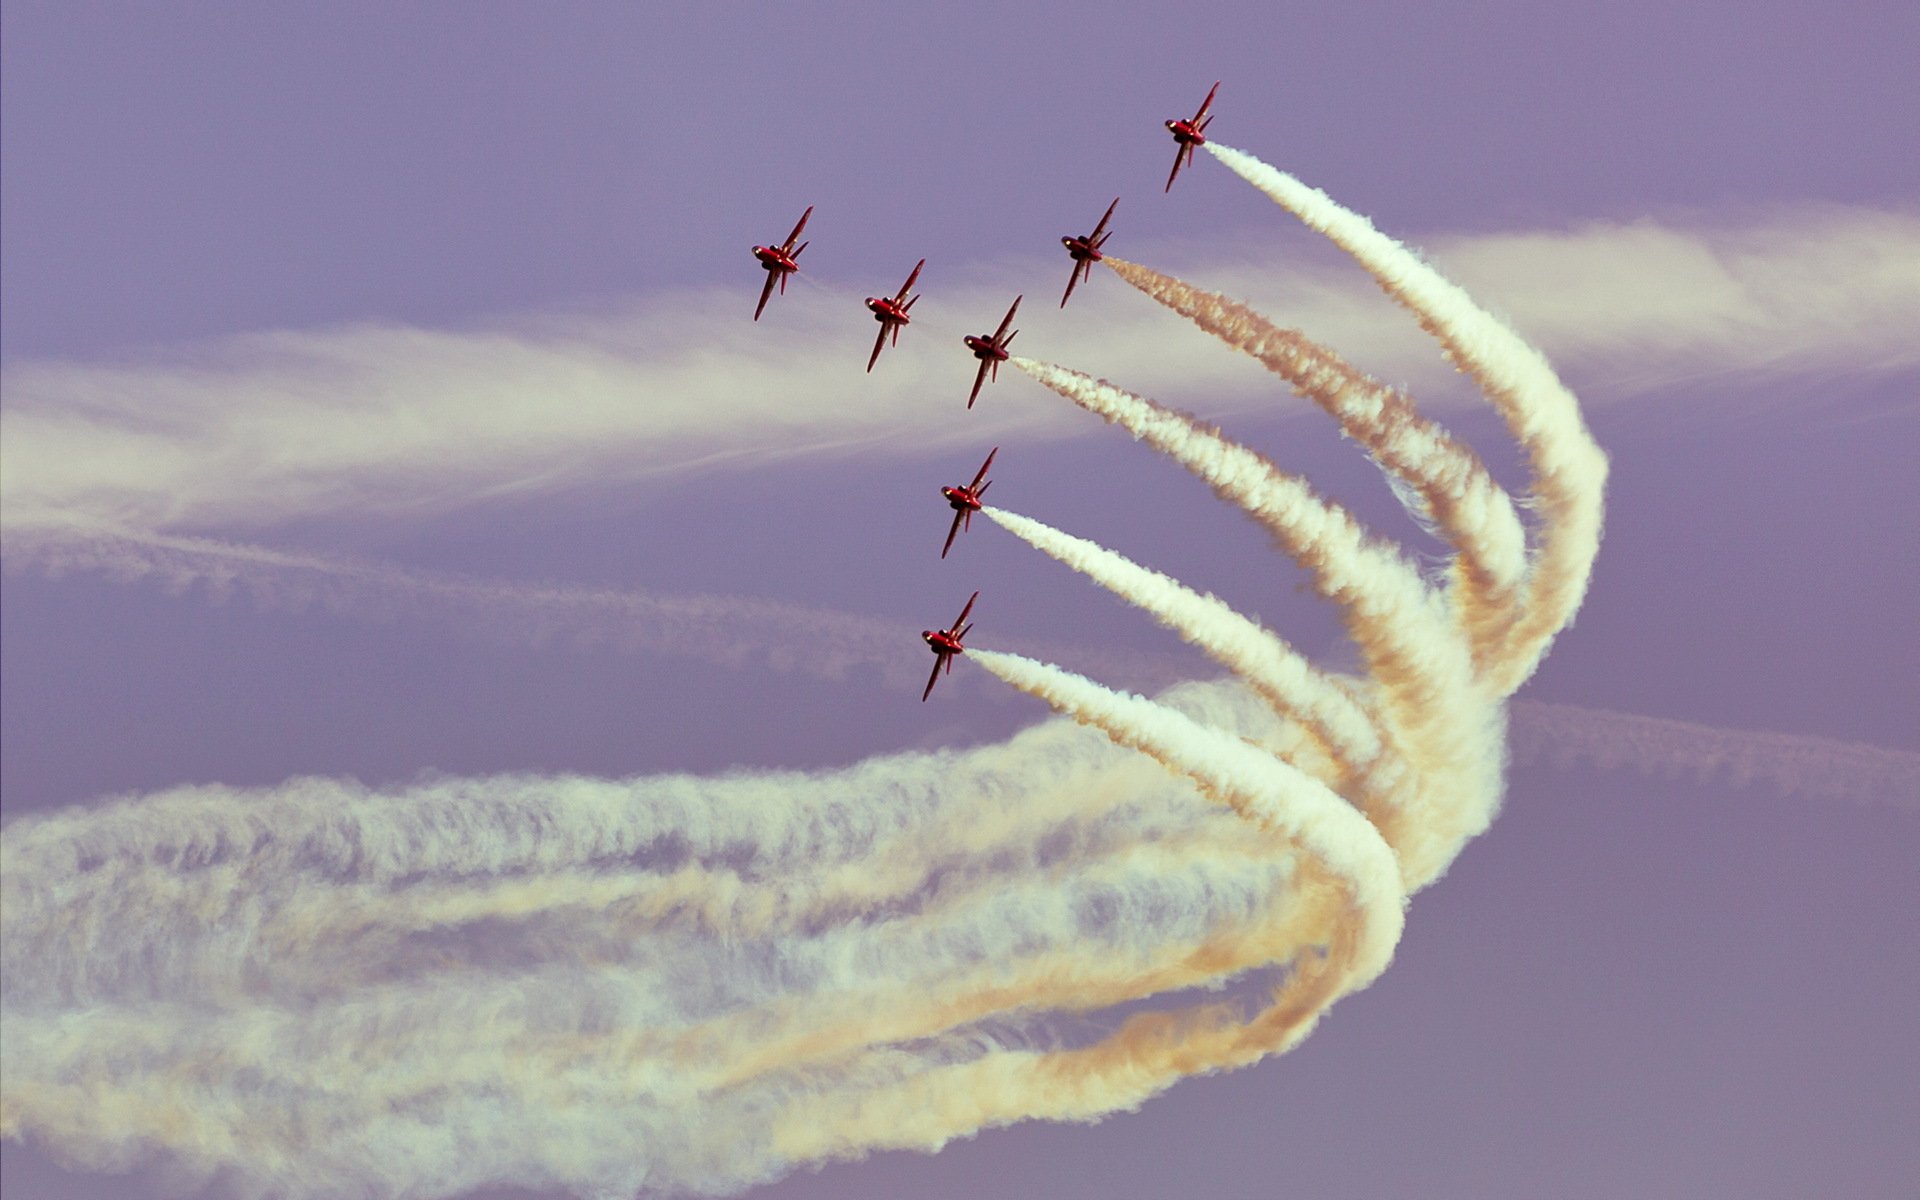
(1154,1050)
(1360,763)
(1254,784)
(1433,706)
(1569,468)
(1279,673)
(1442,480)
(306,988)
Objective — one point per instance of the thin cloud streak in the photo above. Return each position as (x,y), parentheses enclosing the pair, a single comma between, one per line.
(750,632)
(1794,765)
(726,630)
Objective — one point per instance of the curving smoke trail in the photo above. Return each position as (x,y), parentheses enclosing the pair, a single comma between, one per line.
(1151,1051)
(657,957)
(1441,479)
(1433,706)
(1569,468)
(1260,788)
(1359,762)
(680,983)
(1339,725)
(671,955)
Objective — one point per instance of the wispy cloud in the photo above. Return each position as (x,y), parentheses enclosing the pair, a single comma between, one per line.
(1631,307)
(256,429)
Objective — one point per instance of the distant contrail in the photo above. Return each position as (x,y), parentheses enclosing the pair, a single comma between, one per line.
(1789,764)
(1813,767)
(726,630)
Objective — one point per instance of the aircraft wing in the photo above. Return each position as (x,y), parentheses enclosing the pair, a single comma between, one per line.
(795,235)
(1179,157)
(1005,321)
(1199,117)
(879,343)
(908,285)
(935,677)
(1074,279)
(765,292)
(982,474)
(1108,216)
(961,619)
(979,378)
(953,531)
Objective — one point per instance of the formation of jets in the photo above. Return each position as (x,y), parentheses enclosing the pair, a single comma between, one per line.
(991,349)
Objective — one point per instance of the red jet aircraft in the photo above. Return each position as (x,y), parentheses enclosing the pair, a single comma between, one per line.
(892,314)
(966,501)
(991,351)
(780,261)
(946,644)
(1190,133)
(1085,251)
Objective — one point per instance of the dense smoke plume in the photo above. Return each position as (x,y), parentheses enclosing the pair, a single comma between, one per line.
(678,983)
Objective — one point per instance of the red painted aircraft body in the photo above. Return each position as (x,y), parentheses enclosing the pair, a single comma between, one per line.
(991,350)
(946,643)
(892,314)
(780,261)
(965,501)
(1085,251)
(1189,133)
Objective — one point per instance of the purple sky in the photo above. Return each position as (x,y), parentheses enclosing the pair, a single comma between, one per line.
(1635,985)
